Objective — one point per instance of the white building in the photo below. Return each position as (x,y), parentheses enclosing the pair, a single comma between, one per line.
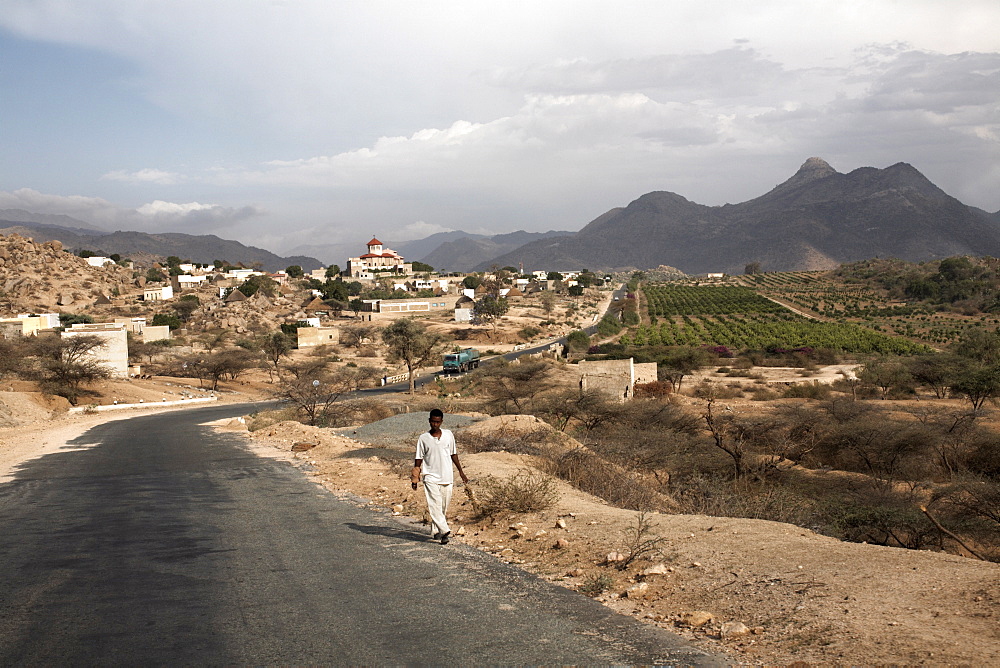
(156,294)
(114,353)
(378,260)
(99,261)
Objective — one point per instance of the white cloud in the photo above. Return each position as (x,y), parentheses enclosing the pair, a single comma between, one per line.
(155,216)
(468,115)
(156,176)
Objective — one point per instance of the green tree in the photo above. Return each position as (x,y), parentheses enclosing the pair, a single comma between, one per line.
(422,267)
(578,341)
(274,348)
(681,361)
(294,271)
(356,305)
(413,345)
(259,283)
(69,319)
(887,374)
(185,306)
(575,291)
(472,281)
(333,271)
(169,319)
(335,290)
(155,275)
(977,383)
(553,276)
(489,309)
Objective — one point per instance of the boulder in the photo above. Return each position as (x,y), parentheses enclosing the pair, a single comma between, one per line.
(734,630)
(640,590)
(696,618)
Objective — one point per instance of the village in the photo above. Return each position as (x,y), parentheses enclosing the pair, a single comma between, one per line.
(611,435)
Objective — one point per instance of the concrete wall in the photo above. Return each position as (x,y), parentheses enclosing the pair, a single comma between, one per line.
(113,354)
(317,336)
(615,378)
(158,333)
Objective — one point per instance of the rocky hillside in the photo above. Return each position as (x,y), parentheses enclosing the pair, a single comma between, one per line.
(196,248)
(817,219)
(42,276)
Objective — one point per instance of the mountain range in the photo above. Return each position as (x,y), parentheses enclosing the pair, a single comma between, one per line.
(817,219)
(454,250)
(78,235)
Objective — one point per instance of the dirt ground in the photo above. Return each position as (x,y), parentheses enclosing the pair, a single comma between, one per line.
(768,593)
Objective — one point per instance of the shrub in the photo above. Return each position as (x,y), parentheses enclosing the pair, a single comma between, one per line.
(813,390)
(597,584)
(595,475)
(523,492)
(528,333)
(657,388)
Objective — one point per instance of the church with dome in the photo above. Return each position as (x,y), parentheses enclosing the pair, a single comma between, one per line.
(378,260)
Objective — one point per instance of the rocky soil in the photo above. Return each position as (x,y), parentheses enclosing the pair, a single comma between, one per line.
(41,277)
(766,592)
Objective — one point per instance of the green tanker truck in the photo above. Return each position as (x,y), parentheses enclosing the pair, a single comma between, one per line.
(461,361)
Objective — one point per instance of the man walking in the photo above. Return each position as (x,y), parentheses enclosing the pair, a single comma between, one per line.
(436,452)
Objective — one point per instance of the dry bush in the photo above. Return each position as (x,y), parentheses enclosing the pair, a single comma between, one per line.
(265,419)
(638,541)
(763,393)
(813,390)
(530,443)
(368,410)
(618,486)
(721,496)
(657,388)
(524,492)
(706,389)
(596,584)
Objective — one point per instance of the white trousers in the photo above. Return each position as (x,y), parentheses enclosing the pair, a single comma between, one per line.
(438,498)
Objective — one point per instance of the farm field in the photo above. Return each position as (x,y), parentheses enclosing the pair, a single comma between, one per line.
(738,317)
(824,295)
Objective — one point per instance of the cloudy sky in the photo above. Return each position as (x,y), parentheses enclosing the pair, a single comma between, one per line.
(288,122)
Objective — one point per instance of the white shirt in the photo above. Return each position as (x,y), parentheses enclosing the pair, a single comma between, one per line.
(435,454)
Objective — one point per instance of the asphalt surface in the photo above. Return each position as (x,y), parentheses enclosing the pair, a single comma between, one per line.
(156,541)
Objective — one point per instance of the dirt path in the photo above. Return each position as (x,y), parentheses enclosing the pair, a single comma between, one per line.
(770,592)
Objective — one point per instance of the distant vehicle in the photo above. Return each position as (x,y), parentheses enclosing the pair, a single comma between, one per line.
(463,360)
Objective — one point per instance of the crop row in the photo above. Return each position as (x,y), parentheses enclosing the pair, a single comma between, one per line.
(670,300)
(763,333)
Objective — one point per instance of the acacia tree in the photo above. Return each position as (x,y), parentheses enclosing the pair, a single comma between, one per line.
(681,361)
(316,391)
(512,386)
(489,309)
(66,364)
(273,348)
(412,344)
(358,334)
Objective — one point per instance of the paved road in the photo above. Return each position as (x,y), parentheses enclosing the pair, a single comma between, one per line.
(164,543)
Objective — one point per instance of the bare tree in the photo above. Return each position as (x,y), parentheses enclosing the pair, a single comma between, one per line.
(66,364)
(412,344)
(358,334)
(316,392)
(513,386)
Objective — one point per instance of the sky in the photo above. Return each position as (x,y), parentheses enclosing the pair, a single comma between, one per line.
(289,123)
